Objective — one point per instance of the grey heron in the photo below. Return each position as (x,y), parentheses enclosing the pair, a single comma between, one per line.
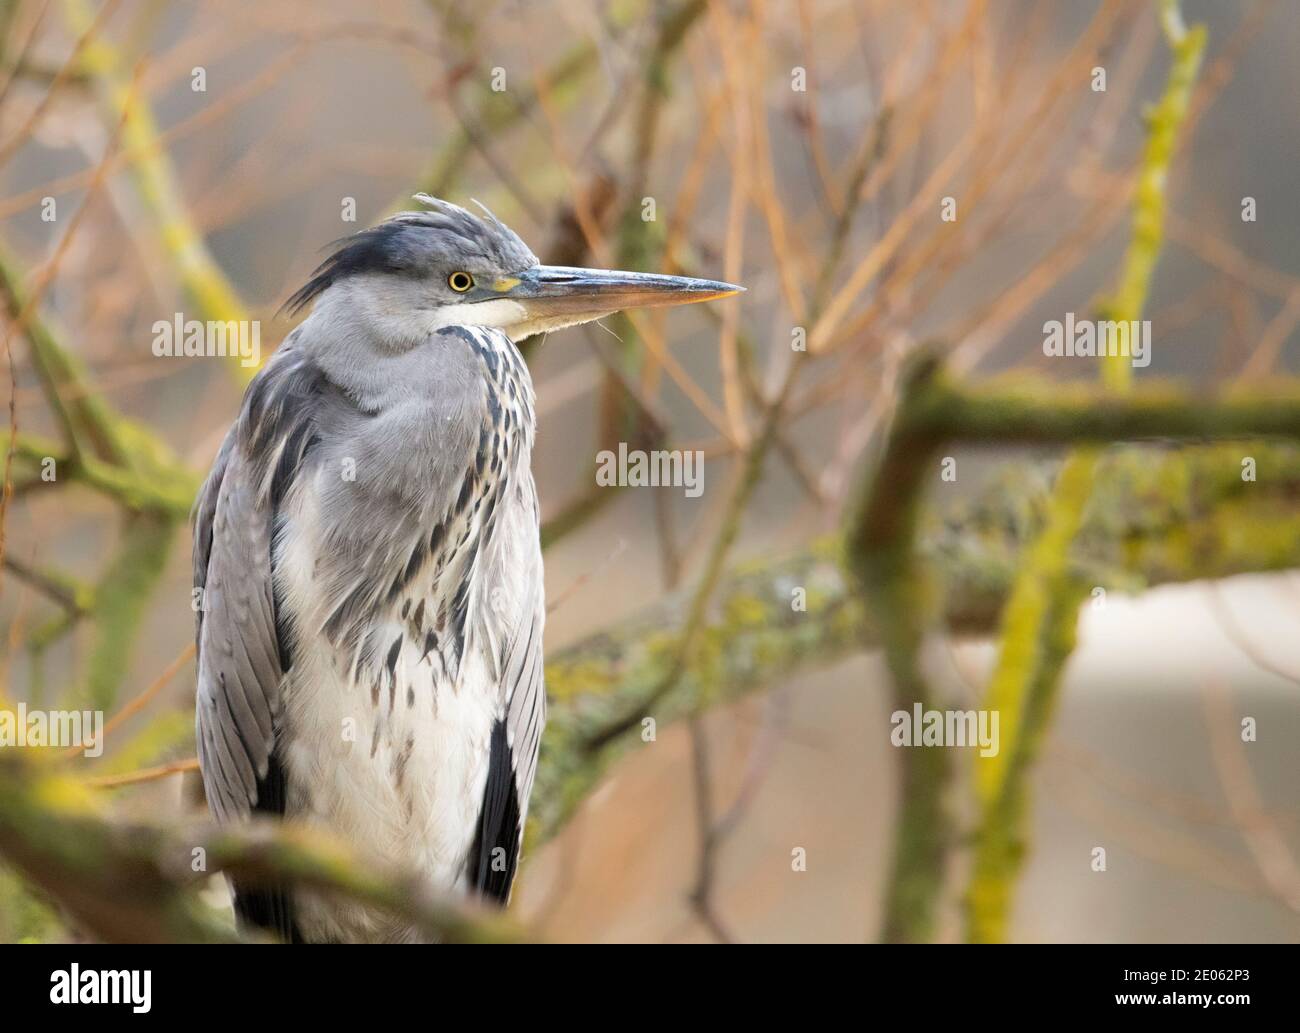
(366,549)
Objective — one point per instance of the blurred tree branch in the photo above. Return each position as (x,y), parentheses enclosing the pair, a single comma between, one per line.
(130,883)
(117,458)
(621,416)
(1038,633)
(204,281)
(494,113)
(933,411)
(1158,516)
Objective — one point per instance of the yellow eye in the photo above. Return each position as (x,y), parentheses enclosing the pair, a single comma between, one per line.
(460,282)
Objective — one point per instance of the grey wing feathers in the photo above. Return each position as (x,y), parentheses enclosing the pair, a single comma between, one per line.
(526,705)
(512,763)
(244,638)
(524,677)
(239,668)
(516,737)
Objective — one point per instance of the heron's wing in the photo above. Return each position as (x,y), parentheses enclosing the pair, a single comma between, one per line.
(243,652)
(238,656)
(515,743)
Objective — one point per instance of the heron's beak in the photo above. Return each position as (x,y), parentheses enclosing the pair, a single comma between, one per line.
(557,291)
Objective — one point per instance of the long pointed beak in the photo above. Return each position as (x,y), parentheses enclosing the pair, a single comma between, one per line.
(558,290)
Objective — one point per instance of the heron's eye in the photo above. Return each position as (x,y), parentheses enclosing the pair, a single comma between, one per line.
(460,282)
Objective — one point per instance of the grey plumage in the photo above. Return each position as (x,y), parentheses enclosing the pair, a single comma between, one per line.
(371,620)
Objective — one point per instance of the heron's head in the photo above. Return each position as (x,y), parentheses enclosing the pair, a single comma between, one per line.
(445,266)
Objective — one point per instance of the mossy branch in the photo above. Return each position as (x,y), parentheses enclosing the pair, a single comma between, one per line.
(105,450)
(1158,515)
(119,459)
(136,883)
(883,524)
(205,283)
(1038,633)
(86,422)
(170,490)
(1037,637)
(121,600)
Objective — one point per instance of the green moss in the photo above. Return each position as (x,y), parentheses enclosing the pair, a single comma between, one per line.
(24,916)
(1039,623)
(121,599)
(742,610)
